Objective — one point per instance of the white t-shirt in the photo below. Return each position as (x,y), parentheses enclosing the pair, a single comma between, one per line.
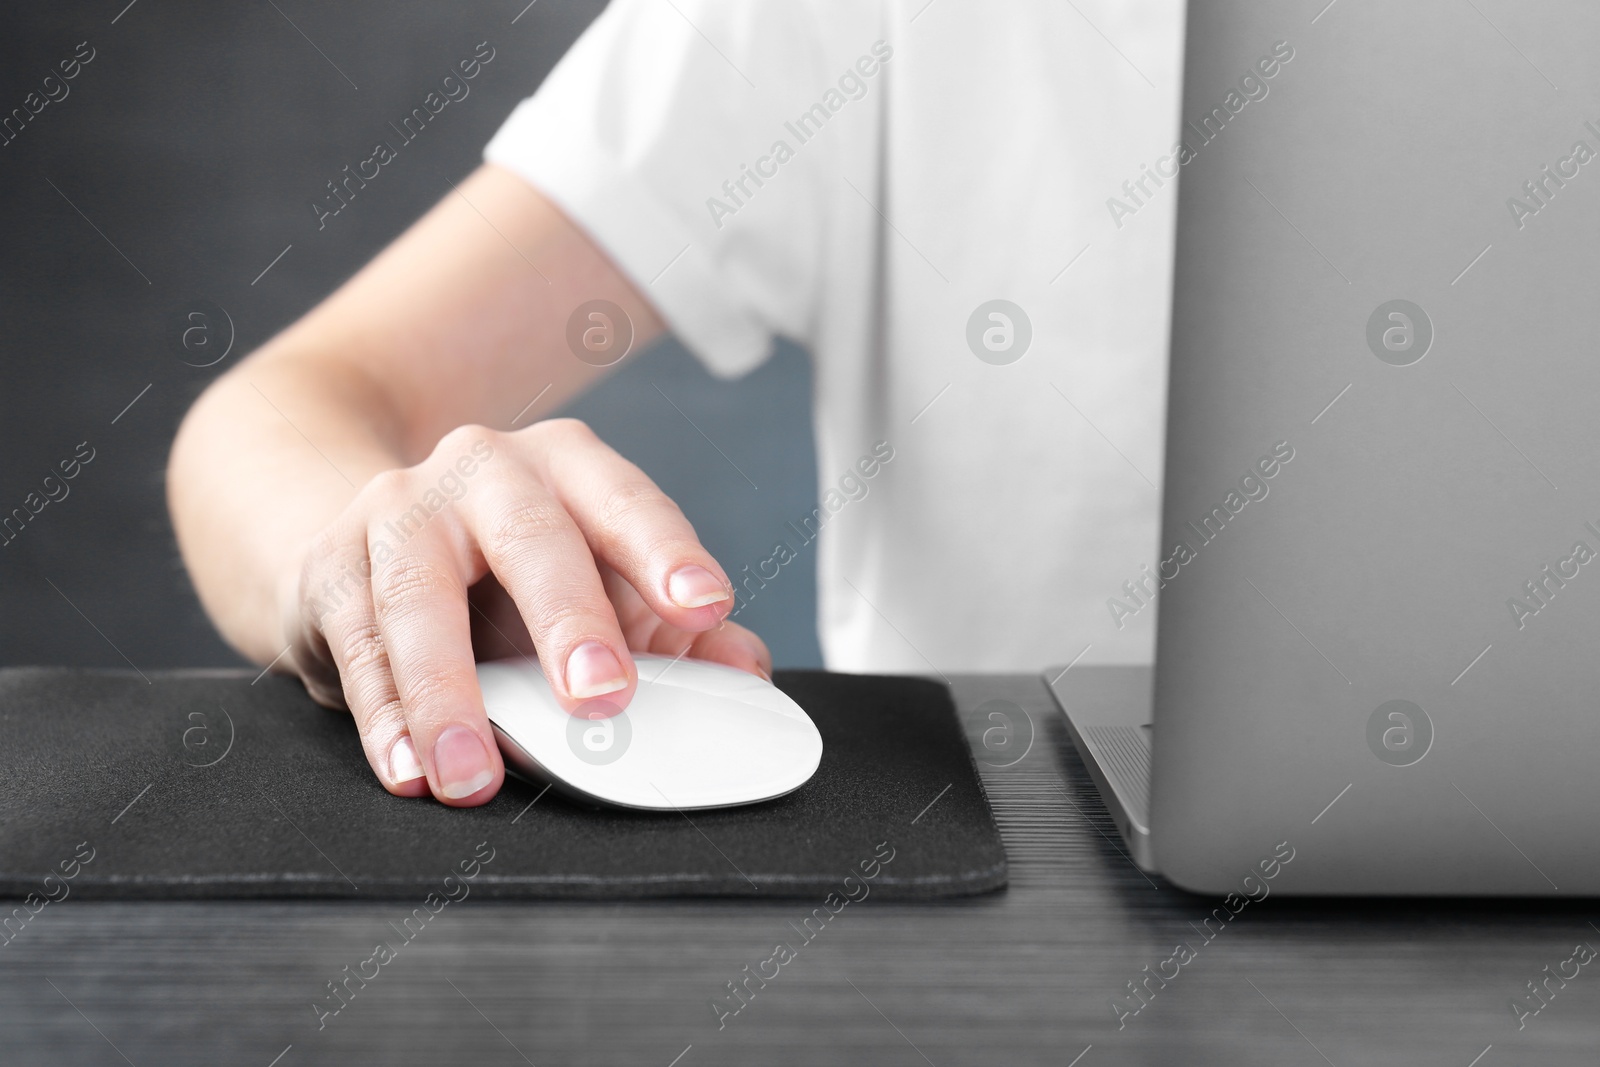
(862,176)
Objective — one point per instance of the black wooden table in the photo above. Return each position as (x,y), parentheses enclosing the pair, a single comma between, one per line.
(1026,975)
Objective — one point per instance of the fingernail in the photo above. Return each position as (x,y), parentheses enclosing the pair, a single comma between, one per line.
(695,587)
(461,763)
(593,670)
(403,763)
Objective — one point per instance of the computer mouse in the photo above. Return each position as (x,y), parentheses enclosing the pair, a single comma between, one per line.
(695,735)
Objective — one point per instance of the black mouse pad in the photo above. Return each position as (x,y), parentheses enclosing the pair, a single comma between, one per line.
(207,784)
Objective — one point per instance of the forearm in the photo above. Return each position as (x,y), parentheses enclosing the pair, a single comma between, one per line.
(462,320)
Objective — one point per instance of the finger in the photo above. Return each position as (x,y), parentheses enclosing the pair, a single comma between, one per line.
(735,646)
(419,593)
(730,643)
(635,527)
(539,555)
(338,620)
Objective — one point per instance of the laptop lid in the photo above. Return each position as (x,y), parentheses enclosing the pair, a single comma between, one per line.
(1380,610)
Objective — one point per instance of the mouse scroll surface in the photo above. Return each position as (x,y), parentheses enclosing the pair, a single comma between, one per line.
(695,735)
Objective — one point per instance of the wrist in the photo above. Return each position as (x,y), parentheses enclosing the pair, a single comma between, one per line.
(281,621)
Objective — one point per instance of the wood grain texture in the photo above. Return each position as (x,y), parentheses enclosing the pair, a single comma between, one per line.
(1023,976)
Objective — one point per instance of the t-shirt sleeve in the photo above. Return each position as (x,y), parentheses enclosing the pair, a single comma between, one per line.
(667,133)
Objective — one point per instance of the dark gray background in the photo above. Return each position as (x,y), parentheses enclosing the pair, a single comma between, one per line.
(193,142)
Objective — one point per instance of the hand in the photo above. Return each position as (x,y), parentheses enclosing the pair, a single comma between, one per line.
(593,560)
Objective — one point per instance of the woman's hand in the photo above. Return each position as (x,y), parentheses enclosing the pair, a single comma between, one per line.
(334,494)
(567,549)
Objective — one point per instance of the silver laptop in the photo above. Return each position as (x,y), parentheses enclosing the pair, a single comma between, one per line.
(1378,651)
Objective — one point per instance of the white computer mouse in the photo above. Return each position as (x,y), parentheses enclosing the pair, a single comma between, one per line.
(695,735)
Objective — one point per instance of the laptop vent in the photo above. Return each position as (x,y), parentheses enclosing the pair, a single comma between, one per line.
(1124,752)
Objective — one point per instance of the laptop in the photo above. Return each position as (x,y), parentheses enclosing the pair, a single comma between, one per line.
(1378,649)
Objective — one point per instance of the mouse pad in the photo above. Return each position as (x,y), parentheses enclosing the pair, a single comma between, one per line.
(206,784)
